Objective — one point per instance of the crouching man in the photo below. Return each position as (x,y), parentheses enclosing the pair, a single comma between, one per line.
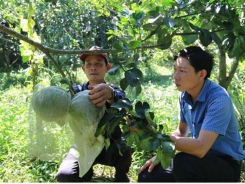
(95,66)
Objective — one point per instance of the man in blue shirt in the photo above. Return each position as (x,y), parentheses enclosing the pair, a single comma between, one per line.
(214,151)
(95,66)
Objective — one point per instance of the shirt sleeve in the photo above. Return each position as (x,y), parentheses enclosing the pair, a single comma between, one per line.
(77,88)
(181,109)
(118,93)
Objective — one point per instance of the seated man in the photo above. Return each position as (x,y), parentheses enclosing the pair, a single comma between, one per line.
(95,66)
(214,151)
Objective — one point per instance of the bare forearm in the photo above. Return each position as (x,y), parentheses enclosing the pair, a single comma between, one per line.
(188,145)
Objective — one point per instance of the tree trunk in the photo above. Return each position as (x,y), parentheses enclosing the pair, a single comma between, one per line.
(225,75)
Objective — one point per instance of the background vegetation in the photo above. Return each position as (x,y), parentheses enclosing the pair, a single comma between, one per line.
(40,42)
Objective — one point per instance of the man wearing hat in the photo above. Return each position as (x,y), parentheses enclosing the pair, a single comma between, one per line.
(95,66)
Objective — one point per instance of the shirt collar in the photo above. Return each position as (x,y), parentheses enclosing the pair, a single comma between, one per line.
(202,95)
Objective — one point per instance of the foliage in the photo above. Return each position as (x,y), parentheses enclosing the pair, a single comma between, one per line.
(236,90)
(128,27)
(50,32)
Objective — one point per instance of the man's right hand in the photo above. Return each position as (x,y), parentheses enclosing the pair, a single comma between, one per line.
(149,164)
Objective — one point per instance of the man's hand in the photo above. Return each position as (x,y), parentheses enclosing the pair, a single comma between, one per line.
(100,93)
(149,164)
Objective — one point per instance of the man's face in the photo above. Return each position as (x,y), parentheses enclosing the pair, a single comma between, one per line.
(185,77)
(95,68)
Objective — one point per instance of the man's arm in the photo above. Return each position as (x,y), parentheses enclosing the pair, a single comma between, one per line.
(197,147)
(182,130)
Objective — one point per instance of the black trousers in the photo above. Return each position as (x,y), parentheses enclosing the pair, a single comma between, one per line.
(212,167)
(69,168)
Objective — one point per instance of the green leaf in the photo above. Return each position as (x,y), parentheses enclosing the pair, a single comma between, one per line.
(169,22)
(25,59)
(189,39)
(138,89)
(113,70)
(131,138)
(228,25)
(146,105)
(168,148)
(134,44)
(133,76)
(117,46)
(107,143)
(51,1)
(138,16)
(113,124)
(165,40)
(31,11)
(140,108)
(156,161)
(136,137)
(150,144)
(123,103)
(236,50)
(160,136)
(195,28)
(165,153)
(149,117)
(105,119)
(150,27)
(216,39)
(232,38)
(121,145)
(123,84)
(144,144)
(205,37)
(131,65)
(168,2)
(156,144)
(156,21)
(154,12)
(31,24)
(24,25)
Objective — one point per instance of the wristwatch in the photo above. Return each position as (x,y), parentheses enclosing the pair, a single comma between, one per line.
(114,94)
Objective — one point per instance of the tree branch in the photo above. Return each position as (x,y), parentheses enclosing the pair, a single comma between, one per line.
(46,49)
(49,50)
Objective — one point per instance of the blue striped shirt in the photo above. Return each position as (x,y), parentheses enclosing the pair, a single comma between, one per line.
(213,111)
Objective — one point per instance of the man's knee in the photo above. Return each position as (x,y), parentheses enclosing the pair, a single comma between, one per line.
(68,168)
(180,160)
(158,174)
(60,177)
(73,176)
(185,168)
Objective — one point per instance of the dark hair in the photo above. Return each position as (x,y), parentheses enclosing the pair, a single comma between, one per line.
(198,58)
